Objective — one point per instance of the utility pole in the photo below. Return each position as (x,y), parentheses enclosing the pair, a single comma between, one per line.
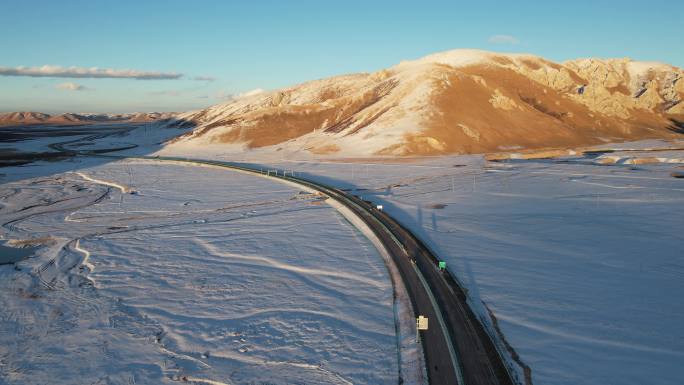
(474,176)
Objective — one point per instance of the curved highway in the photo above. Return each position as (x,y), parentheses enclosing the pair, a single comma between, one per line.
(456,347)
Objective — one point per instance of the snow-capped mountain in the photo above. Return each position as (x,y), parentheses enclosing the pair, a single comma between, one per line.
(25,118)
(460,101)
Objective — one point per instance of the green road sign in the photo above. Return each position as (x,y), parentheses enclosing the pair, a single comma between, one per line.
(442,265)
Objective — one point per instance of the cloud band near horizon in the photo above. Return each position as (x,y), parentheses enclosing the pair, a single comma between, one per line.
(71,87)
(81,72)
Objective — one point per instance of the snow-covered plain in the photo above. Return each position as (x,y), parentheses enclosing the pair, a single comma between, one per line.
(580,262)
(156,273)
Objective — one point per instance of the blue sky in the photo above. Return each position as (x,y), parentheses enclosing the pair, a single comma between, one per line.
(237,46)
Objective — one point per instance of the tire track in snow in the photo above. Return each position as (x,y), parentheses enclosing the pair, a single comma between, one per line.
(122,188)
(86,256)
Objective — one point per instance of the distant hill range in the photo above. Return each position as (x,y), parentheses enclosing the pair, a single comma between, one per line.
(29,118)
(461,101)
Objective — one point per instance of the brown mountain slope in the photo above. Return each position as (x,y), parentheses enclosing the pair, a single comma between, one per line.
(460,101)
(27,117)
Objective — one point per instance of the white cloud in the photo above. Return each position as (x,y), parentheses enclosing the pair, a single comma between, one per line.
(504,39)
(71,87)
(204,78)
(81,72)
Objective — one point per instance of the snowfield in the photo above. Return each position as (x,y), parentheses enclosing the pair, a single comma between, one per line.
(579,261)
(152,273)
